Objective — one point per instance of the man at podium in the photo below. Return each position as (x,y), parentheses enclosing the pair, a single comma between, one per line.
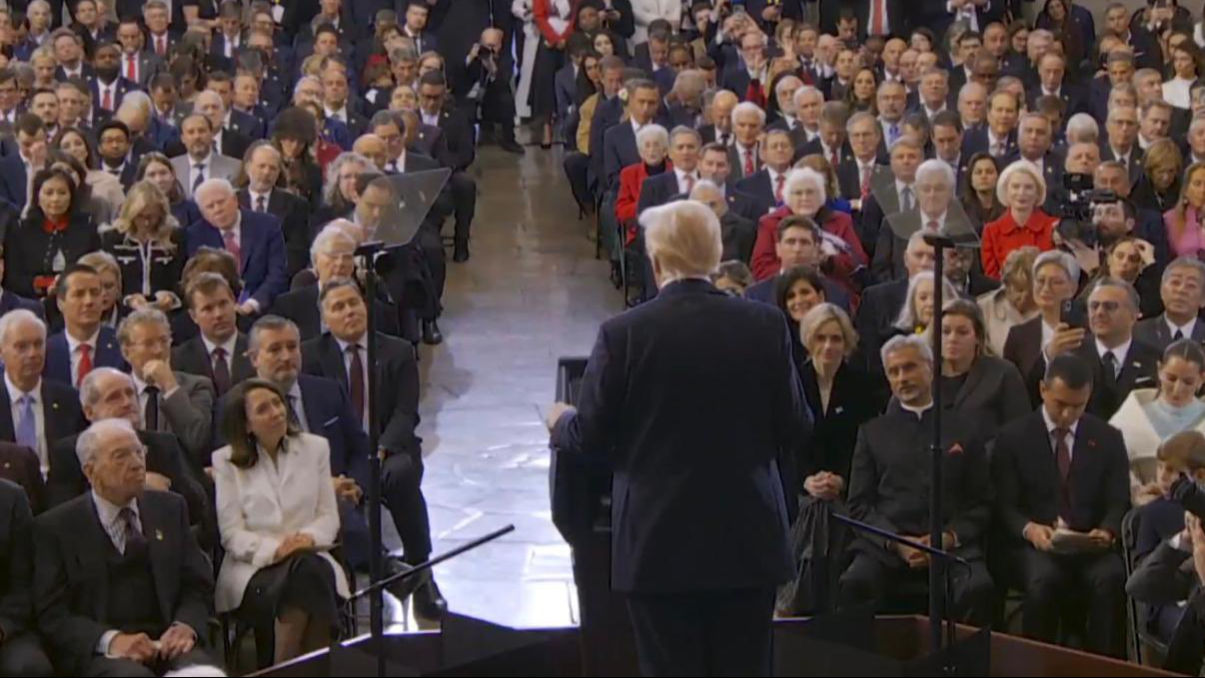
(699,510)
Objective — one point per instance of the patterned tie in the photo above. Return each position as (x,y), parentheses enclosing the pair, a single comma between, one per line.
(151,419)
(356,381)
(260,204)
(132,68)
(893,134)
(196,183)
(834,160)
(778,183)
(85,364)
(221,372)
(232,247)
(106,99)
(27,428)
(161,45)
(866,172)
(906,199)
(296,420)
(1179,335)
(135,542)
(749,169)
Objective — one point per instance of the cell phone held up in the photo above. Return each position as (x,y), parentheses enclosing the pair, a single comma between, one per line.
(1073,314)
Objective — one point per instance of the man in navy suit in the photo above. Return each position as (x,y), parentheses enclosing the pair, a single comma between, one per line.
(999,136)
(415,25)
(659,189)
(16,169)
(21,653)
(1052,68)
(768,184)
(69,51)
(242,122)
(619,142)
(254,238)
(695,609)
(109,87)
(84,342)
(10,301)
(714,166)
(1034,141)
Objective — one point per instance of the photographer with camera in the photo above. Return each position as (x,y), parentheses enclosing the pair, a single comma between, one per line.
(483,90)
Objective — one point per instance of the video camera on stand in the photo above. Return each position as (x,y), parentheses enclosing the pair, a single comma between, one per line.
(1077,219)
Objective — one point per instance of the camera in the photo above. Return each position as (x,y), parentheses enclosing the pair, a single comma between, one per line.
(1187,493)
(1076,216)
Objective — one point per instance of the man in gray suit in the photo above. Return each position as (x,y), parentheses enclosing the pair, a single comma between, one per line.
(200,162)
(172,402)
(1183,294)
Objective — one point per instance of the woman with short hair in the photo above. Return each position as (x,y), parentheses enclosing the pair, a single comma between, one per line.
(1022,190)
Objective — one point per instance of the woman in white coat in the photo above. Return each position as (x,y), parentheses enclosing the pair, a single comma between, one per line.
(1149,416)
(648,11)
(278,519)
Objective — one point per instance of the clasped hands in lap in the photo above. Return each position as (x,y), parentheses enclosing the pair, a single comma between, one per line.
(176,641)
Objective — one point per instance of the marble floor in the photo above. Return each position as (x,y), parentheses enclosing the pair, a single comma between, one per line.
(531,293)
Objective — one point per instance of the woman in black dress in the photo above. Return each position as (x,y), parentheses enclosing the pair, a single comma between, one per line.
(148,244)
(53,235)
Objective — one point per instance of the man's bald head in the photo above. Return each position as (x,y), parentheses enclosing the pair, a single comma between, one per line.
(374,148)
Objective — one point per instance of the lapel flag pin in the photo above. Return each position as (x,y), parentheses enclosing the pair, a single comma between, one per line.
(158,535)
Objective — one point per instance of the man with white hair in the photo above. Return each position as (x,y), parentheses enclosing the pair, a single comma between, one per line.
(972,105)
(934,187)
(1082,128)
(34,412)
(253,238)
(748,123)
(889,484)
(111,394)
(719,468)
(123,586)
(719,110)
(263,167)
(202,161)
(787,93)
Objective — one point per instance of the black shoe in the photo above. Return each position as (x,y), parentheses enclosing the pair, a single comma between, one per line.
(461,253)
(511,146)
(403,588)
(429,603)
(431,333)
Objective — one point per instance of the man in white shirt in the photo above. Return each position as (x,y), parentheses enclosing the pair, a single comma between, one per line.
(1183,294)
(748,122)
(69,52)
(1122,128)
(23,349)
(892,100)
(1156,123)
(934,92)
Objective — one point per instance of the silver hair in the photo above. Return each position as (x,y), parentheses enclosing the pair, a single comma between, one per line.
(938,168)
(805,91)
(861,117)
(39,3)
(304,79)
(1064,260)
(214,184)
(17,316)
(89,391)
(138,99)
(142,315)
(683,129)
(903,341)
(336,166)
(267,322)
(748,107)
(704,185)
(1130,292)
(327,237)
(1179,262)
(1083,128)
(652,132)
(798,176)
(88,443)
(906,320)
(784,81)
(684,237)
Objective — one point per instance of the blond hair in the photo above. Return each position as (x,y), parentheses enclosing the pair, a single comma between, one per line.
(684,237)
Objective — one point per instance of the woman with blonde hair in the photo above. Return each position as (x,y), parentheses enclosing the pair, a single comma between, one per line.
(1022,191)
(109,272)
(1183,222)
(1159,187)
(1012,303)
(149,244)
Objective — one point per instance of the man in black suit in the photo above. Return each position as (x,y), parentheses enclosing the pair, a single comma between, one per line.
(414,25)
(1121,142)
(10,301)
(737,233)
(890,196)
(1145,46)
(339,104)
(1062,468)
(246,124)
(121,587)
(263,167)
(1183,293)
(47,410)
(109,394)
(1052,68)
(461,152)
(484,87)
(933,197)
(69,51)
(16,169)
(21,651)
(226,141)
(999,136)
(339,354)
(659,189)
(881,303)
(109,87)
(695,609)
(768,185)
(889,488)
(619,142)
(831,143)
(947,135)
(858,174)
(220,350)
(714,167)
(963,270)
(113,144)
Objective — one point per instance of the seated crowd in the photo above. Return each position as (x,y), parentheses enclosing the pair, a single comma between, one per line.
(184,191)
(830,139)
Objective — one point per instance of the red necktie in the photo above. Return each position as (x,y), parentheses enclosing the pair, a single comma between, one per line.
(834,160)
(749,168)
(233,248)
(160,46)
(131,68)
(85,364)
(878,16)
(755,94)
(106,99)
(778,182)
(866,181)
(690,184)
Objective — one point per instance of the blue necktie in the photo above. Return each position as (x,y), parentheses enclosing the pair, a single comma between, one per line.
(894,133)
(27,428)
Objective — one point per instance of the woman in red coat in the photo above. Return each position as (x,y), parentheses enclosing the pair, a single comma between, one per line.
(804,193)
(555,20)
(1022,190)
(653,143)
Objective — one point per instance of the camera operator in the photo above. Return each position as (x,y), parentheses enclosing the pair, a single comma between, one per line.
(484,92)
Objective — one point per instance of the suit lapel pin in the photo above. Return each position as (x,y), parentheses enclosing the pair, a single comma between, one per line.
(955,450)
(158,534)
(839,410)
(54,406)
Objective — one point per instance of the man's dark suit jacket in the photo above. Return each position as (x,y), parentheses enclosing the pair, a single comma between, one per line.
(16,561)
(993,395)
(1139,371)
(13,180)
(60,410)
(1027,477)
(58,356)
(397,388)
(1167,577)
(849,178)
(123,88)
(164,456)
(1154,332)
(10,301)
(705,460)
(1074,97)
(758,186)
(233,144)
(301,306)
(191,357)
(977,141)
(763,292)
(875,320)
(738,234)
(814,147)
(71,582)
(619,151)
(658,190)
(20,465)
(1135,162)
(889,482)
(264,267)
(246,124)
(294,215)
(461,149)
(607,114)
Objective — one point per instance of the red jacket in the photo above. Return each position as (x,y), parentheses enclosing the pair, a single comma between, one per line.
(541,11)
(631,180)
(1004,235)
(839,267)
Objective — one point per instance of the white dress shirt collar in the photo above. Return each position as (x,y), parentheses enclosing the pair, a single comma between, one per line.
(681,176)
(228,345)
(73,344)
(110,517)
(1050,430)
(1185,329)
(1119,352)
